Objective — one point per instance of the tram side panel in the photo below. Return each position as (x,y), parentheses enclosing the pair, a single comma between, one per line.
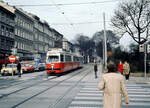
(55,68)
(59,67)
(75,65)
(68,66)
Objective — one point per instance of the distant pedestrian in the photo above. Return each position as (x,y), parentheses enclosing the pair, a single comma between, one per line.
(126,70)
(120,67)
(95,69)
(19,69)
(113,85)
(0,67)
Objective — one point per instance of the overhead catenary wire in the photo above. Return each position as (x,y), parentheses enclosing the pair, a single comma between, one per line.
(78,23)
(64,15)
(69,22)
(67,4)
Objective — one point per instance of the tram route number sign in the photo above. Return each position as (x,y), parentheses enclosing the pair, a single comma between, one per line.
(12,58)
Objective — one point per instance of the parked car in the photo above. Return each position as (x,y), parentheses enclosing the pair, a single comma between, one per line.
(9,69)
(41,66)
(28,68)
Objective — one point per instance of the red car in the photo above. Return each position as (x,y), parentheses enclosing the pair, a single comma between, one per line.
(28,68)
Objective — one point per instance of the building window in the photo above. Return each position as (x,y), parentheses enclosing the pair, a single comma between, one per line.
(3,42)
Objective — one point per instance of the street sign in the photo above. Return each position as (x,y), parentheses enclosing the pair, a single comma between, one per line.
(141,49)
(12,58)
(148,48)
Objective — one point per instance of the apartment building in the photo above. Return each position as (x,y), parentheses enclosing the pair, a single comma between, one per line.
(42,37)
(58,38)
(24,35)
(7,26)
(31,36)
(66,45)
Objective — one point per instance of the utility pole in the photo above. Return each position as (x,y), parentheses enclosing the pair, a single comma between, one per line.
(105,43)
(145,59)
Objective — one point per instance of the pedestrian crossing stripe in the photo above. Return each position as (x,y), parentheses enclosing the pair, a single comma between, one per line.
(91,97)
(100,103)
(132,88)
(100,98)
(87,102)
(81,107)
(131,92)
(137,86)
(95,94)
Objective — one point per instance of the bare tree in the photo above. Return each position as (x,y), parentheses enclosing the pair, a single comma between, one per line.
(133,17)
(98,37)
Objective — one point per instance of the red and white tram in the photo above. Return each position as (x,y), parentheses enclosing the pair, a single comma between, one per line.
(59,61)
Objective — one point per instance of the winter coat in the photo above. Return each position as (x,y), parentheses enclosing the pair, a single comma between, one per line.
(126,69)
(114,86)
(95,67)
(120,68)
(19,66)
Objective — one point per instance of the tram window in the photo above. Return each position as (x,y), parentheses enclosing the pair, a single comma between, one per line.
(53,59)
(74,58)
(61,58)
(68,58)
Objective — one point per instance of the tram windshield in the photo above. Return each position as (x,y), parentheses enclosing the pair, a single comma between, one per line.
(53,59)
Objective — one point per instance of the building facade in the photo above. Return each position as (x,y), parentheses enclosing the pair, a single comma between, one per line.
(24,35)
(58,38)
(68,46)
(25,32)
(7,26)
(43,39)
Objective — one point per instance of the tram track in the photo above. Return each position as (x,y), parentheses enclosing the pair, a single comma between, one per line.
(16,83)
(40,92)
(29,86)
(5,95)
(70,89)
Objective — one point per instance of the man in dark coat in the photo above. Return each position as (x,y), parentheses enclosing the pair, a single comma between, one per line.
(95,69)
(0,67)
(19,69)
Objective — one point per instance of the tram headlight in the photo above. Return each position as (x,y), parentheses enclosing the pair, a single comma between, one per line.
(52,67)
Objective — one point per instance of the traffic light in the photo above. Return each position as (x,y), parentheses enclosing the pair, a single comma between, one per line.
(141,48)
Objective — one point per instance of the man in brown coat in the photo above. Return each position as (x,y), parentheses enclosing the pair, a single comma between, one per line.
(126,70)
(113,85)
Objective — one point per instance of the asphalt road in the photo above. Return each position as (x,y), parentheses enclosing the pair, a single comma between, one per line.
(77,89)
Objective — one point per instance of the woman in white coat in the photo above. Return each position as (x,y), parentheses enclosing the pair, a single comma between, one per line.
(113,85)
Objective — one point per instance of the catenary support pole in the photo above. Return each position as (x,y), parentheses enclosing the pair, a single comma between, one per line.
(145,57)
(105,43)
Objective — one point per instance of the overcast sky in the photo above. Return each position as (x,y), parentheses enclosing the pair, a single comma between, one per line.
(80,15)
(72,19)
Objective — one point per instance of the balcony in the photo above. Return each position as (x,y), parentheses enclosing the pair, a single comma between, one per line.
(8,21)
(7,34)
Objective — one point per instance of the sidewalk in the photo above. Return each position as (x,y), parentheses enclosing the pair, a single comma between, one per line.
(140,80)
(89,95)
(91,77)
